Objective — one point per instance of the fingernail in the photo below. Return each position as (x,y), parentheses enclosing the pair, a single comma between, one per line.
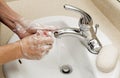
(45,33)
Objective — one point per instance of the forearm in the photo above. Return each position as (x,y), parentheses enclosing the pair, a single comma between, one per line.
(10,52)
(7,15)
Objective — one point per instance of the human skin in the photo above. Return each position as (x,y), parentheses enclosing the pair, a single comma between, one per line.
(14,51)
(10,52)
(10,18)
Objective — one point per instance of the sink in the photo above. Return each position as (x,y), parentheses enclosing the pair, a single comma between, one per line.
(67,51)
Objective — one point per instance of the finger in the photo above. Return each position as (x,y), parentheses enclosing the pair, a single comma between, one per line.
(35,57)
(36,38)
(39,40)
(48,33)
(43,33)
(31,30)
(47,47)
(43,48)
(46,41)
(50,27)
(42,53)
(40,33)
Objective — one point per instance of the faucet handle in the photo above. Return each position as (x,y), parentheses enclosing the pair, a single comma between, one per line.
(94,46)
(73,8)
(84,22)
(85,17)
(96,28)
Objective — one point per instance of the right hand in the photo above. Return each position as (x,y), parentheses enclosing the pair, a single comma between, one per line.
(35,46)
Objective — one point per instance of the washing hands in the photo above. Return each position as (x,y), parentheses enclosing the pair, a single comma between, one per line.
(33,43)
(36,39)
(25,27)
(36,46)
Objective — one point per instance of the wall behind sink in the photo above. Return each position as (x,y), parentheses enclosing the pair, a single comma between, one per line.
(9,0)
(111,9)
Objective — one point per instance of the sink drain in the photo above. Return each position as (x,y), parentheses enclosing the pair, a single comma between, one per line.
(66,69)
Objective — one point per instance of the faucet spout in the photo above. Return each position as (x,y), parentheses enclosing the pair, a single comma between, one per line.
(92,45)
(68,31)
(85,25)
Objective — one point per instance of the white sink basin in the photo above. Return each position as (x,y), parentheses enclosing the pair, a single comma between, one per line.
(66,51)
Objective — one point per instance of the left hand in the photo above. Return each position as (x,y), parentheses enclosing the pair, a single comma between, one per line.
(25,27)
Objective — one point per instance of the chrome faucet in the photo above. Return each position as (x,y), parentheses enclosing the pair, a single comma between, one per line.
(90,41)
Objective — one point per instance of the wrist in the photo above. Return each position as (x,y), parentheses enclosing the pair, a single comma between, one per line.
(19,30)
(19,50)
(21,27)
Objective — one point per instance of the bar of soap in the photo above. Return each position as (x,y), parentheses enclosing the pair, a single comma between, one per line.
(107,58)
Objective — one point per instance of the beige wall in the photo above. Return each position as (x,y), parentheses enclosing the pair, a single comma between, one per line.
(111,9)
(5,34)
(9,0)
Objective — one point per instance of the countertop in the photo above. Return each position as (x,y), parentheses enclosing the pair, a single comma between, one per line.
(55,7)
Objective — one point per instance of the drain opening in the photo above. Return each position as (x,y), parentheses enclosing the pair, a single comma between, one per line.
(66,69)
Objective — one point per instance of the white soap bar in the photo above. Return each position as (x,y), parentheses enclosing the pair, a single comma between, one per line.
(107,58)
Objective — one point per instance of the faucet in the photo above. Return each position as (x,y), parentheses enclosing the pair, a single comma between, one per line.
(90,41)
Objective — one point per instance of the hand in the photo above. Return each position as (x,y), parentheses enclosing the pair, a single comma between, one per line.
(37,45)
(21,26)
(25,27)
